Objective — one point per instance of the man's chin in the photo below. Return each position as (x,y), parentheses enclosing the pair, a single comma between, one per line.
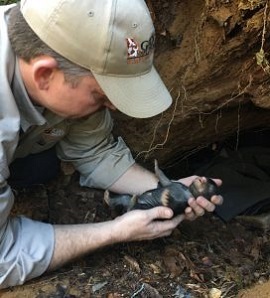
(78,116)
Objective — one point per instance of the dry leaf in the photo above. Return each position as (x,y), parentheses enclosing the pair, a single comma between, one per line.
(133,263)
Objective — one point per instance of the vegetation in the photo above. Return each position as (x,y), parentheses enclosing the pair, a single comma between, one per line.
(5,2)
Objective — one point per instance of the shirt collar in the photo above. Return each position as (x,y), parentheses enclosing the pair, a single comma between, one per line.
(30,113)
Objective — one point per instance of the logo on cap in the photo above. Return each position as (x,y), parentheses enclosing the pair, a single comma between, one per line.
(137,53)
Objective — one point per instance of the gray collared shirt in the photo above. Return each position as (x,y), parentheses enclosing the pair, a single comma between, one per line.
(26,246)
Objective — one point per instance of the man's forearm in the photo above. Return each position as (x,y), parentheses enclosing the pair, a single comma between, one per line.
(135,180)
(73,241)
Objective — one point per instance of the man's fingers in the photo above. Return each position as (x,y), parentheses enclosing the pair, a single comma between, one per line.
(217,181)
(160,213)
(189,214)
(170,225)
(177,219)
(206,204)
(217,200)
(199,205)
(188,180)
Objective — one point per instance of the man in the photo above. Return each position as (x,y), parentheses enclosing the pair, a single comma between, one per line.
(64,63)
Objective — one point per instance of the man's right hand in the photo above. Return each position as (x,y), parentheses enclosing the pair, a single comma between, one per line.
(145,224)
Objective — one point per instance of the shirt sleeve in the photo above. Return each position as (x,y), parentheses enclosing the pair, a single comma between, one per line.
(96,154)
(26,246)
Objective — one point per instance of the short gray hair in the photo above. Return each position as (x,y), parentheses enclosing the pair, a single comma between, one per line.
(27,45)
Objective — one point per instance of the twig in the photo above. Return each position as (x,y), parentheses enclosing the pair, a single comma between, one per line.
(264,24)
(138,292)
(260,56)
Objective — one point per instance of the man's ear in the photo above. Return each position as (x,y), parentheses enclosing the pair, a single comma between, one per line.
(44,68)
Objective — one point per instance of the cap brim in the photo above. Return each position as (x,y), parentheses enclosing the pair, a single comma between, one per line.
(140,97)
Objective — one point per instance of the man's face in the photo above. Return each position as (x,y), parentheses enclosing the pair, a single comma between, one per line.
(74,102)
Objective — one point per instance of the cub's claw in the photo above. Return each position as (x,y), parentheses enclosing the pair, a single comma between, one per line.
(106,197)
(133,202)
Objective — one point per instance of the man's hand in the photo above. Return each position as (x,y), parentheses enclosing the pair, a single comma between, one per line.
(146,224)
(197,207)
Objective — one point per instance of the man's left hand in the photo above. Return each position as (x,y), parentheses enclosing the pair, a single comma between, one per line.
(198,207)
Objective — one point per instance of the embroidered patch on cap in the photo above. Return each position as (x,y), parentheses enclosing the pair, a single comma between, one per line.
(137,53)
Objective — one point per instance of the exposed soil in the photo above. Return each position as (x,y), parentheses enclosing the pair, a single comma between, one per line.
(206,52)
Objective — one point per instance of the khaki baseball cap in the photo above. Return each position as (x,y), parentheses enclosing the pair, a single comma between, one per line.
(114,39)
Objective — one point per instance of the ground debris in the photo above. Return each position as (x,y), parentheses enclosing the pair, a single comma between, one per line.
(146,291)
(215,293)
(199,256)
(98,286)
(133,263)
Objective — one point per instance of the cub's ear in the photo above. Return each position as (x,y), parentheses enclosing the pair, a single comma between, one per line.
(164,181)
